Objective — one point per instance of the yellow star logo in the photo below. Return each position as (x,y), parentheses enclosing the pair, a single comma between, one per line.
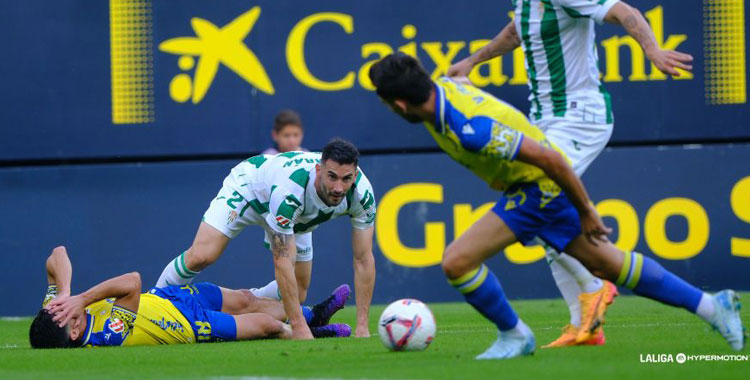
(213,46)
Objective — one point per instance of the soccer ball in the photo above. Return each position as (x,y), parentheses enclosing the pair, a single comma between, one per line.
(406,325)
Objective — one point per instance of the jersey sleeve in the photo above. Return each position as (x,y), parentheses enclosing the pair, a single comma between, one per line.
(595,9)
(362,209)
(486,136)
(116,329)
(283,209)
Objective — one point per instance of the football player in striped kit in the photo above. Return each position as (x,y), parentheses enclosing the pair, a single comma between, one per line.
(289,195)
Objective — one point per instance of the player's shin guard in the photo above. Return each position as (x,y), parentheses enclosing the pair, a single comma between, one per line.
(649,279)
(482,290)
(176,273)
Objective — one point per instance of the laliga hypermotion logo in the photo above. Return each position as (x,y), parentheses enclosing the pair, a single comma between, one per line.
(213,45)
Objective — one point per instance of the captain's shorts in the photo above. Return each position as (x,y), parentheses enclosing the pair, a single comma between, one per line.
(201,305)
(556,222)
(229,212)
(581,141)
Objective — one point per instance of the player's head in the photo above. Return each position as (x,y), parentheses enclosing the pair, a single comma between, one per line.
(287,131)
(337,171)
(403,84)
(45,333)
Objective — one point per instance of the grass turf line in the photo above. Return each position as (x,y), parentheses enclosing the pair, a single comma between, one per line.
(634,326)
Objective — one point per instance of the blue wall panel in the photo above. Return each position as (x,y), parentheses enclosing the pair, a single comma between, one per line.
(116,218)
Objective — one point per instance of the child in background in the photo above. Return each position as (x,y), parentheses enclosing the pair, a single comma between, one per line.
(287,133)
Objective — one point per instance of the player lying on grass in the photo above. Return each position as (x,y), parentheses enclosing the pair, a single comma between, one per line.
(115,313)
(289,195)
(542,198)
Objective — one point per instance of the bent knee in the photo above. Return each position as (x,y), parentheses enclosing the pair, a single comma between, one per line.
(197,260)
(453,264)
(246,300)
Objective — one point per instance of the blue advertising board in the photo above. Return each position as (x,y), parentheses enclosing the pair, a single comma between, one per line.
(140,78)
(687,207)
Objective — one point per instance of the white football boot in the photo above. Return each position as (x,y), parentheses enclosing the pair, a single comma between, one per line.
(510,344)
(726,318)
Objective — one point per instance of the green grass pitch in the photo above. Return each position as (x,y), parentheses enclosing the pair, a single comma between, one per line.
(635,326)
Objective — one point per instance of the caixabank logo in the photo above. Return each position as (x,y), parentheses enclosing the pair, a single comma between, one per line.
(199,56)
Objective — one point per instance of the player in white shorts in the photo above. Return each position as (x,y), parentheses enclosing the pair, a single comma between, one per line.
(289,195)
(572,108)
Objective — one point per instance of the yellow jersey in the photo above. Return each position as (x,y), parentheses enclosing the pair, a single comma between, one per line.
(157,321)
(484,134)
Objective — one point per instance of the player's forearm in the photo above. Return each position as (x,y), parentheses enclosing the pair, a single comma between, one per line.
(59,270)
(284,254)
(364,284)
(635,25)
(559,171)
(287,283)
(121,287)
(505,42)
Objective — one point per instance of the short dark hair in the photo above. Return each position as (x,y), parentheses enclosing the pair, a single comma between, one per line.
(341,151)
(45,333)
(284,118)
(401,76)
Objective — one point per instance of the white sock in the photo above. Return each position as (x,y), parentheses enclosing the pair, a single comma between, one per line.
(586,281)
(706,307)
(176,273)
(521,329)
(569,289)
(271,290)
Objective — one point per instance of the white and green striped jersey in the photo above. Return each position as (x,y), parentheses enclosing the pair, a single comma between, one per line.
(281,190)
(557,37)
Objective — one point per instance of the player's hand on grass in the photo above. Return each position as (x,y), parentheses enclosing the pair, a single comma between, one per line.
(668,60)
(461,69)
(593,227)
(301,332)
(66,309)
(363,331)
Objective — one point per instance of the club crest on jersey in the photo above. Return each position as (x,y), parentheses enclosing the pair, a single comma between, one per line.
(117,326)
(232,216)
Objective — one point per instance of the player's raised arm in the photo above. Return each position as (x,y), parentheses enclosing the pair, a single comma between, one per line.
(635,24)
(554,165)
(284,256)
(364,277)
(126,289)
(59,275)
(505,42)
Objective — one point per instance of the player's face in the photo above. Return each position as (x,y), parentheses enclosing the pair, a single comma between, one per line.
(333,180)
(401,108)
(76,327)
(289,138)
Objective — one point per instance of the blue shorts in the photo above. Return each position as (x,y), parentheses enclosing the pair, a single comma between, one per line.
(201,305)
(529,213)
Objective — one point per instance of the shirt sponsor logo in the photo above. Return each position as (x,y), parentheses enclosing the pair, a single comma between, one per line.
(283,221)
(117,325)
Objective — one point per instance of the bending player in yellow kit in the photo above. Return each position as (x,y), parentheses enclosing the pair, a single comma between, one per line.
(542,198)
(115,313)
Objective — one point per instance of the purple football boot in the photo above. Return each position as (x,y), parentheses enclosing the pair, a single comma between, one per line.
(336,330)
(323,311)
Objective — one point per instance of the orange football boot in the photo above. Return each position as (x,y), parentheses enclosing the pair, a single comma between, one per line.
(594,306)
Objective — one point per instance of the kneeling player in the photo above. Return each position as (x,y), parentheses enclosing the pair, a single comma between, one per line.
(115,313)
